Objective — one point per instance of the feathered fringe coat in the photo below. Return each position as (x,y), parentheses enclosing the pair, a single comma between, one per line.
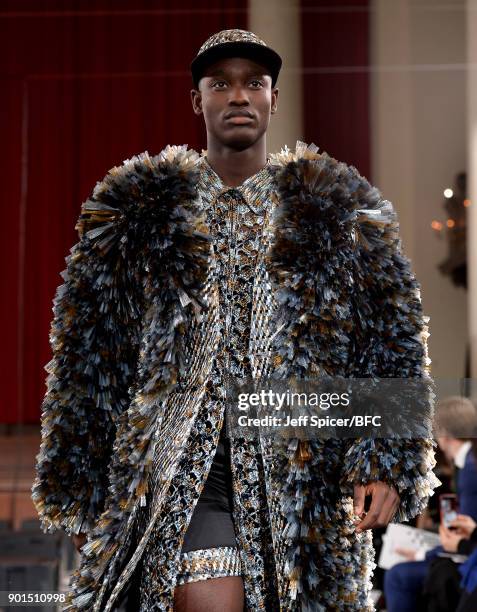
(347,304)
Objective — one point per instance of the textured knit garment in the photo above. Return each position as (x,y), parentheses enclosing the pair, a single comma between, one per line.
(236,217)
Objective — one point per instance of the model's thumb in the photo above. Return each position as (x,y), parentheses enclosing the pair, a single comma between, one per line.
(358,502)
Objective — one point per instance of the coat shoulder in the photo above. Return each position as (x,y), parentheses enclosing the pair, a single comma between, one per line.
(333,186)
(143,191)
(145,168)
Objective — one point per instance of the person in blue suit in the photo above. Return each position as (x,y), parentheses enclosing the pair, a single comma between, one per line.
(456,421)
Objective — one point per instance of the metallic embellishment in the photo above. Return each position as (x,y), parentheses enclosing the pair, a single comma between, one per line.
(227,36)
(206,563)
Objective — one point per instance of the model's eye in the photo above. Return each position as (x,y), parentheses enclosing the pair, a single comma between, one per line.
(219,84)
(256,83)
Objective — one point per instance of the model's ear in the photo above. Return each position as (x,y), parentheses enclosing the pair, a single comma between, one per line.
(274,105)
(196,98)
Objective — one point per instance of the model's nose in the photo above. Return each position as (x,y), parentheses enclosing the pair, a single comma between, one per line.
(239,95)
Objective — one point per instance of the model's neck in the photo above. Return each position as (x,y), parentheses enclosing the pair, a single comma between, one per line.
(233,166)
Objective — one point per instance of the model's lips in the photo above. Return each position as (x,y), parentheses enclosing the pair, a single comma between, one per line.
(240,119)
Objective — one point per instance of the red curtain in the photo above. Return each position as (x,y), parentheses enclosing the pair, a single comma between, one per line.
(335,60)
(85,85)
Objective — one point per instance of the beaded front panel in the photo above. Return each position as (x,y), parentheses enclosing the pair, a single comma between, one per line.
(237,218)
(239,223)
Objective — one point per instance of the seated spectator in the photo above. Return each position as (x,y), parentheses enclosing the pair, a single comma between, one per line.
(403,583)
(444,584)
(463,536)
(468,571)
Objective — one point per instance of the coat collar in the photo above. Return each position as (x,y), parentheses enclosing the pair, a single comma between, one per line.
(256,191)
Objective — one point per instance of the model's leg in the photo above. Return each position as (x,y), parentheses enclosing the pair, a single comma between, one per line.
(213,595)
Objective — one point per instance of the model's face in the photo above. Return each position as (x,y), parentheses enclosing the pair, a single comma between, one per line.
(235,96)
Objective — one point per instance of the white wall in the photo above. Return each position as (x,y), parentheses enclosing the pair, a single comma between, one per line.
(418,122)
(277,22)
(472,176)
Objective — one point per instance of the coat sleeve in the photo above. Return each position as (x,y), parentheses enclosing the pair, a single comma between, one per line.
(389,341)
(95,342)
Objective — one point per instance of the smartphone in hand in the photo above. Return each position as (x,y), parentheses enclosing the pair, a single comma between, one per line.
(449,508)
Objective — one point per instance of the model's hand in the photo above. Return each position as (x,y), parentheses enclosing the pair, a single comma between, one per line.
(384,503)
(449,539)
(79,540)
(464,525)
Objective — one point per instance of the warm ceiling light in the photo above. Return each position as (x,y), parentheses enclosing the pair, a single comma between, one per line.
(450,222)
(466,202)
(448,193)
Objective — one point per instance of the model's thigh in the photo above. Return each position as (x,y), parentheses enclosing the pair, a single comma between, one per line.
(214,595)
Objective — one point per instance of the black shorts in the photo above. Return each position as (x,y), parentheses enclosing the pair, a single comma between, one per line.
(211,524)
(210,549)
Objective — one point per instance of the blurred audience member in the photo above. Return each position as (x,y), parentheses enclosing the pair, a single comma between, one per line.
(455,424)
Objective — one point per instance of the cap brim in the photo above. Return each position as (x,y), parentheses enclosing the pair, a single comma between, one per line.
(253,51)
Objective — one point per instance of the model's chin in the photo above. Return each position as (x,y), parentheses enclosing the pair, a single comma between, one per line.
(240,137)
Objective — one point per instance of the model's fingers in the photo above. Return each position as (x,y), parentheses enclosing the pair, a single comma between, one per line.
(390,505)
(359,495)
(378,495)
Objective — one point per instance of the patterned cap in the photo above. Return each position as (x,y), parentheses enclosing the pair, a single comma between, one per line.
(235,43)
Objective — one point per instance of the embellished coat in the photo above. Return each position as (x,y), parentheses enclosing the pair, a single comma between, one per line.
(126,444)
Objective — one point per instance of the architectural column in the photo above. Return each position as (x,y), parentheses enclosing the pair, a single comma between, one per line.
(472,179)
(277,22)
(392,150)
